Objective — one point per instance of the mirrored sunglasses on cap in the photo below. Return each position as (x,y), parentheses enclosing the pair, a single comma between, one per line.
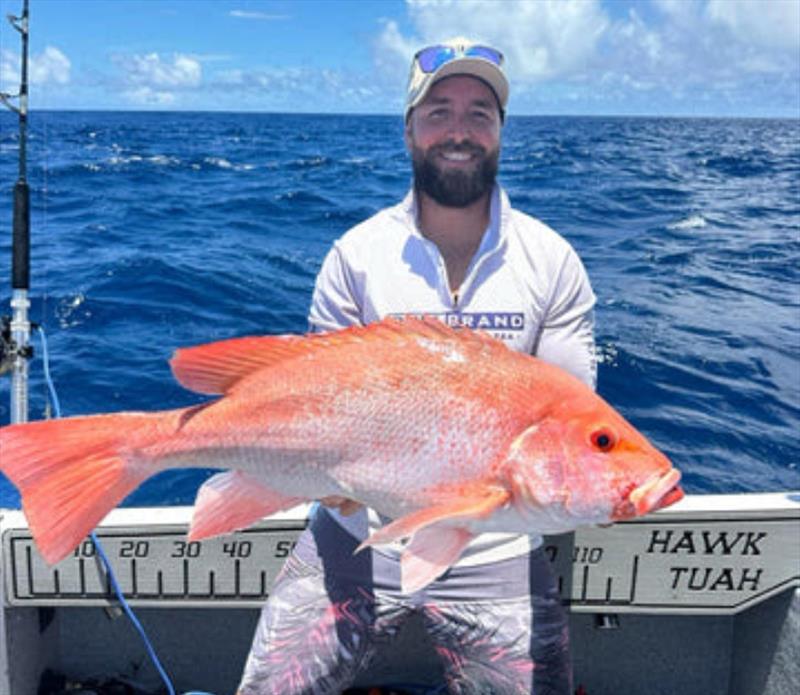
(430,59)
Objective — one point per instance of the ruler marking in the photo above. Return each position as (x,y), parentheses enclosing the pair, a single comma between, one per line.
(29,557)
(14,568)
(134,587)
(585,586)
(54,583)
(236,577)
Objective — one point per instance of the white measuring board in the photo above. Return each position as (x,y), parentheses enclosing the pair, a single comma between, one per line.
(708,554)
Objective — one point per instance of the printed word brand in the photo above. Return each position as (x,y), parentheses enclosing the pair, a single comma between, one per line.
(479,320)
(487,321)
(706,542)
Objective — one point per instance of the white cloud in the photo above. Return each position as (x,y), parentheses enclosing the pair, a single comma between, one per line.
(681,11)
(147,96)
(392,48)
(149,79)
(684,49)
(151,70)
(392,53)
(245,14)
(203,58)
(50,66)
(9,71)
(774,24)
(712,41)
(540,38)
(279,88)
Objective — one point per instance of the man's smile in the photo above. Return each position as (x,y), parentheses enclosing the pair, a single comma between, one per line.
(458,155)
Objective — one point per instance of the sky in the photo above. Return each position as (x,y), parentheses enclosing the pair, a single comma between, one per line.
(572,57)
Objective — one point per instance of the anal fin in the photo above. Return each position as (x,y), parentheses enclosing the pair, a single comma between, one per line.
(234,500)
(430,554)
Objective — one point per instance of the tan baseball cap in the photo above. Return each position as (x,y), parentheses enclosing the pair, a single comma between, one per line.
(458,56)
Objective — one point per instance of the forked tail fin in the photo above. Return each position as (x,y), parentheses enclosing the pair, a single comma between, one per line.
(72,472)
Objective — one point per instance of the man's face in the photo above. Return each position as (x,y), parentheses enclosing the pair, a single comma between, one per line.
(454,140)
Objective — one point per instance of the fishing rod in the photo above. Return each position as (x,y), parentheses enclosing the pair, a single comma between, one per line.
(15,331)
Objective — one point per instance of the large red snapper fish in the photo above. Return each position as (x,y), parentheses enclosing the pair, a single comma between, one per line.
(448,432)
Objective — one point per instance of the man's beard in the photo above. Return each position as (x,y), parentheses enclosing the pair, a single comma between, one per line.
(454,188)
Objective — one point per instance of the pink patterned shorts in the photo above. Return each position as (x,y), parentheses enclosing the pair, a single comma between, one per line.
(497,629)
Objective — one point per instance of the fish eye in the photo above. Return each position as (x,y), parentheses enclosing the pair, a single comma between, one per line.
(604,439)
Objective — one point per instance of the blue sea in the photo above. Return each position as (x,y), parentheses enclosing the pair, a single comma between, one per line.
(158,230)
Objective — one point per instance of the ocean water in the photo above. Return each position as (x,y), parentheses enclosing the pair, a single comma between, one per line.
(158,230)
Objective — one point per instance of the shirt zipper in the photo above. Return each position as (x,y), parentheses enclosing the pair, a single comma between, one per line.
(470,278)
(455,295)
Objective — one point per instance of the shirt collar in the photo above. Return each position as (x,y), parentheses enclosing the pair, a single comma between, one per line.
(498,214)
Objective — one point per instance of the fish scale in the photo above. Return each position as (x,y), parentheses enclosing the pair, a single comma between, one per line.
(446,432)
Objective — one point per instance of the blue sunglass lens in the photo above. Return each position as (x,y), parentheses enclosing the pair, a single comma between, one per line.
(486,53)
(430,59)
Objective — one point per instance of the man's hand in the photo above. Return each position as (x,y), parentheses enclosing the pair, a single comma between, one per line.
(345,505)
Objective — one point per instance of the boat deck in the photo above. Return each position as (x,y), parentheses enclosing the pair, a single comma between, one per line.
(700,598)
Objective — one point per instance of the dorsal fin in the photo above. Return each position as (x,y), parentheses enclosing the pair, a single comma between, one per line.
(215,367)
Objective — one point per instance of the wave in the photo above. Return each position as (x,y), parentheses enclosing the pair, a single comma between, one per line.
(691,222)
(153,231)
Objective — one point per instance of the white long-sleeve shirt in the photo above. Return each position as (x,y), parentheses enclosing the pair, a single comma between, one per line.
(525,285)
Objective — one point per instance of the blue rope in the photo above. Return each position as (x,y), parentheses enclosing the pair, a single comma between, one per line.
(101,552)
(129,612)
(46,364)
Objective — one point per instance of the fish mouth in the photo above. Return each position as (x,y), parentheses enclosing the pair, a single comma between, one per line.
(657,492)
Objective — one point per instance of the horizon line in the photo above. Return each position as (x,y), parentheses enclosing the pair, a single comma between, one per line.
(399,116)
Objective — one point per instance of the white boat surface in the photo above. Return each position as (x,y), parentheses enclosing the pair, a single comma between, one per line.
(702,598)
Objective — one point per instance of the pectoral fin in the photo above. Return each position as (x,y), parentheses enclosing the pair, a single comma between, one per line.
(430,554)
(476,502)
(234,500)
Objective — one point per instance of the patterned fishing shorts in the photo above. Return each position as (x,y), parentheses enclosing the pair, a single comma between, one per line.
(497,629)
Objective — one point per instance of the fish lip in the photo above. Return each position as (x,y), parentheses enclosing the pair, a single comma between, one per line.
(652,493)
(657,492)
(674,494)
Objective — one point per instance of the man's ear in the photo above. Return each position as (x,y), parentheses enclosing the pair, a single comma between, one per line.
(408,133)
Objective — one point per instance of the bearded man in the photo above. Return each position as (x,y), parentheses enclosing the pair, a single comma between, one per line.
(453,248)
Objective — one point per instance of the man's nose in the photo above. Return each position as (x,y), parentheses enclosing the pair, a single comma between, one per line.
(459,128)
